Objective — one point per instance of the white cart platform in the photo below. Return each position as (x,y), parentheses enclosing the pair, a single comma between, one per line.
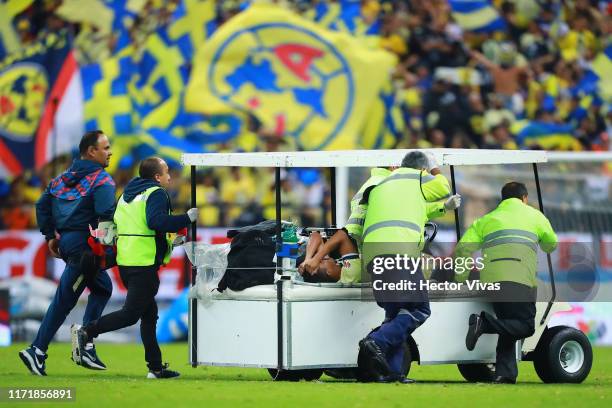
(320,327)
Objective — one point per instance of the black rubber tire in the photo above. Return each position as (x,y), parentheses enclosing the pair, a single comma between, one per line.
(540,352)
(295,375)
(312,374)
(477,372)
(547,358)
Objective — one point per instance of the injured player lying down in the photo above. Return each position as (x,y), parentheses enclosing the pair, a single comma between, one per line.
(332,260)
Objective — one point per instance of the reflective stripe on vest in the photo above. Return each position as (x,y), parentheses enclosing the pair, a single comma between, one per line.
(394,223)
(511,236)
(511,255)
(411,176)
(511,232)
(511,240)
(356,221)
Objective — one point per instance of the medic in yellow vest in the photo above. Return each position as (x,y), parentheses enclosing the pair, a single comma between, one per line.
(399,206)
(394,224)
(144,220)
(508,237)
(145,225)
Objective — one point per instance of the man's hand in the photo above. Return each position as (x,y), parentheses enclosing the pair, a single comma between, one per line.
(310,266)
(54,247)
(179,240)
(432,163)
(192,213)
(452,203)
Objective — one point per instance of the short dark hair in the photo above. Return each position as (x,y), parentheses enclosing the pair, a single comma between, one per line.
(513,189)
(415,160)
(89,139)
(149,167)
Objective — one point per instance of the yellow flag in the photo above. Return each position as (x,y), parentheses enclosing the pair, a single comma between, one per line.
(300,80)
(93,12)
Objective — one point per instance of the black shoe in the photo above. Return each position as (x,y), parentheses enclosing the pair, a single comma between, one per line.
(394,378)
(163,373)
(503,380)
(475,330)
(405,380)
(90,359)
(33,361)
(376,358)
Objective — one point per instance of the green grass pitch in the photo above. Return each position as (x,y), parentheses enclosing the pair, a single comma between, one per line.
(124,385)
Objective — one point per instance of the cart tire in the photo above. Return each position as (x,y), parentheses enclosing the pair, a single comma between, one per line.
(312,374)
(563,355)
(477,372)
(538,354)
(295,375)
(283,375)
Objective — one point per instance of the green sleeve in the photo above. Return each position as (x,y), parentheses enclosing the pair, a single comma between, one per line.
(435,187)
(546,236)
(435,209)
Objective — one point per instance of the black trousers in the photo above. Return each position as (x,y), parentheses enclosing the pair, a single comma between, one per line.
(142,283)
(513,320)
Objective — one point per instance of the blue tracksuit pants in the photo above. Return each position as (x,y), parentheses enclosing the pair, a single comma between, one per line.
(71,286)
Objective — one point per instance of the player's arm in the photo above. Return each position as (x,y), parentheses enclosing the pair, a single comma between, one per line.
(158,217)
(435,209)
(339,241)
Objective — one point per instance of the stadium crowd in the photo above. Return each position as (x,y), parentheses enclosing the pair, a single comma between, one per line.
(455,88)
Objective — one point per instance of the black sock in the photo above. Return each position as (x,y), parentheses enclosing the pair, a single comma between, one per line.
(90,331)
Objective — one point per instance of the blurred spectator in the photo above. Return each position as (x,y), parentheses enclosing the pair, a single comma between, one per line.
(208,199)
(237,190)
(18,212)
(456,88)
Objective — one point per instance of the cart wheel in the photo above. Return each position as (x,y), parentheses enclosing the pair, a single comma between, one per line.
(312,374)
(283,375)
(477,372)
(295,375)
(563,355)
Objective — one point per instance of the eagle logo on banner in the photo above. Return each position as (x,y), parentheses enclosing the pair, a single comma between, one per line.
(34,83)
(299,79)
(276,74)
(23,89)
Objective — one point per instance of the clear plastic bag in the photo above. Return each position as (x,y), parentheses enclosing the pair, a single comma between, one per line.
(211,263)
